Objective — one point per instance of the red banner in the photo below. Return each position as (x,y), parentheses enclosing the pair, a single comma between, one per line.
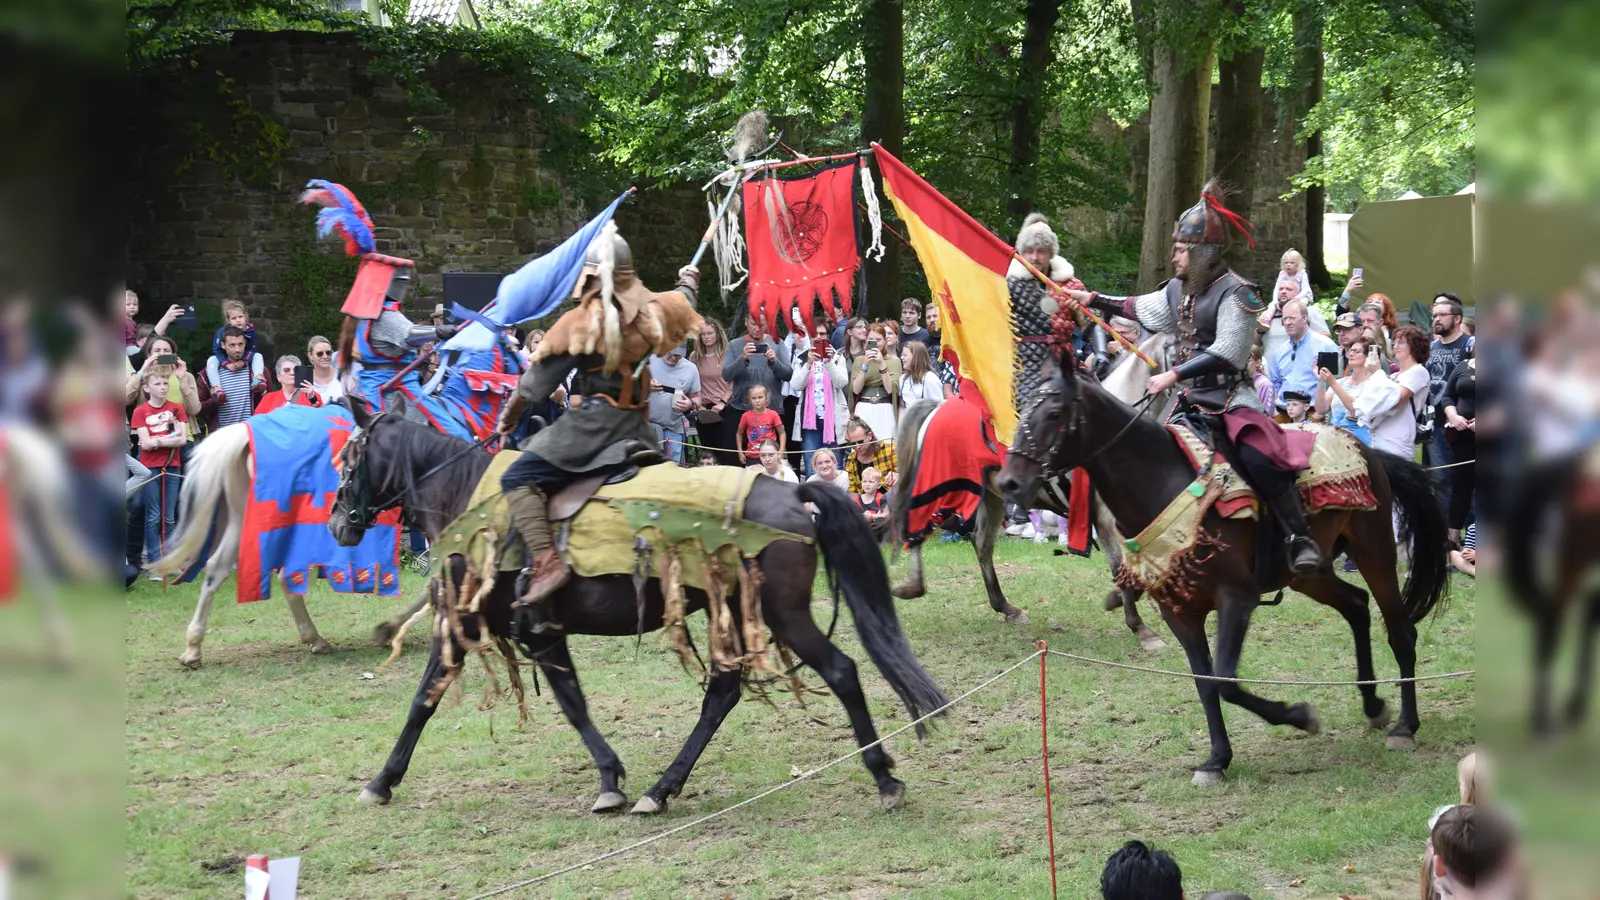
(801,237)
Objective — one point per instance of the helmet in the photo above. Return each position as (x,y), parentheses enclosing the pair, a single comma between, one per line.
(1200,223)
(624,255)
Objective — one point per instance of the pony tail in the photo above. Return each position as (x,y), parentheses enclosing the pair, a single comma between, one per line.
(608,296)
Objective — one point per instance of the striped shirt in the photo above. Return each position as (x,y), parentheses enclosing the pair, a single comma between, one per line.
(236,390)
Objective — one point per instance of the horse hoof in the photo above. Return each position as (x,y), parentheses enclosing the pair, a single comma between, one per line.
(649,806)
(1149,643)
(908,591)
(371,797)
(1382,719)
(1402,742)
(190,659)
(1016,617)
(321,646)
(1112,602)
(1313,722)
(1207,778)
(609,801)
(383,634)
(893,796)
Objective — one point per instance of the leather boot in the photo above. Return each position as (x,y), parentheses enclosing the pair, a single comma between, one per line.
(1305,557)
(547,572)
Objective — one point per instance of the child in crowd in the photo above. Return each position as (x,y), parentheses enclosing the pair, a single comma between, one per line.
(130,331)
(1036,519)
(234,313)
(1473,855)
(771,463)
(163,429)
(1293,271)
(1296,405)
(759,424)
(872,502)
(707,459)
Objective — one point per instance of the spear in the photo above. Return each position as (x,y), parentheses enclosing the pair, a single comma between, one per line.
(749,139)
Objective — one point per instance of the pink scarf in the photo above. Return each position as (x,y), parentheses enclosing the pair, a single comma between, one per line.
(810,411)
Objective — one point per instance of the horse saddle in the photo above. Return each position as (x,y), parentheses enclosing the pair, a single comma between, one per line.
(565,503)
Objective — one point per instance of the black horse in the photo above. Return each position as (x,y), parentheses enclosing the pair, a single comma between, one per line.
(433,475)
(1138,469)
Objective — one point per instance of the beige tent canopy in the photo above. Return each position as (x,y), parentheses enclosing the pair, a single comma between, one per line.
(1413,249)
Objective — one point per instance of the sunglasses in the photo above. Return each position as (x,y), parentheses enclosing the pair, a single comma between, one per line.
(323,353)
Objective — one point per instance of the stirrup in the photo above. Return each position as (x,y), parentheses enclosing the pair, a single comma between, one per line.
(1305,557)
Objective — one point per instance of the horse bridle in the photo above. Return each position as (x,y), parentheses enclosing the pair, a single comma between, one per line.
(1026,445)
(365,513)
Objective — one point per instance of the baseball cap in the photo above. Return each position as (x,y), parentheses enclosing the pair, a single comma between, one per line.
(1348,320)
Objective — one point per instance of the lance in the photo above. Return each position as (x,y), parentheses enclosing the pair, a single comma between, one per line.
(749,135)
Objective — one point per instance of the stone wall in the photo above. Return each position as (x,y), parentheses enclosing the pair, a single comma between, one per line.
(217,218)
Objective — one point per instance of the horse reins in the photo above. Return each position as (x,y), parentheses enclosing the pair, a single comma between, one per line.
(364,509)
(1027,449)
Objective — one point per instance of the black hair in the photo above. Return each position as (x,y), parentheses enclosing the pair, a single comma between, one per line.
(1137,872)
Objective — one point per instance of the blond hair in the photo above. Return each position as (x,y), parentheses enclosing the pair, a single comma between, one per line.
(1293,254)
(229,306)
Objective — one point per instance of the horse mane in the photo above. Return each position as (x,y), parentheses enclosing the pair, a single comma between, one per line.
(444,493)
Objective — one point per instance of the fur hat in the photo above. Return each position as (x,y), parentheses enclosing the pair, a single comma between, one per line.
(1036,234)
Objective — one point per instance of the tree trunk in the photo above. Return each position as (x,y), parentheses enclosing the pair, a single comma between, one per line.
(1027,110)
(1239,127)
(1308,65)
(884,120)
(1178,114)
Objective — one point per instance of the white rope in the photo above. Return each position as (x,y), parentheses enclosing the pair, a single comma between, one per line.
(727,246)
(1116,665)
(766,793)
(869,196)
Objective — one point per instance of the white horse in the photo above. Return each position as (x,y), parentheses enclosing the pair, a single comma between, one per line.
(222,471)
(36,485)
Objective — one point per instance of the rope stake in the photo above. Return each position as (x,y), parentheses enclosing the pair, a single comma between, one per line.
(1044,738)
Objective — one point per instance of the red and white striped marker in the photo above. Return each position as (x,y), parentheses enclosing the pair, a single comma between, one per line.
(256,878)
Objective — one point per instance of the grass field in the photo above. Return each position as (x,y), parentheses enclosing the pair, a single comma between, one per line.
(266,748)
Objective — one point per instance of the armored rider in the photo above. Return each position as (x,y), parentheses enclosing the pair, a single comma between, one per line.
(617,324)
(1212,311)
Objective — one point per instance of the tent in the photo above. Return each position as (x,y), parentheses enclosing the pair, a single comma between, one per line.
(1412,249)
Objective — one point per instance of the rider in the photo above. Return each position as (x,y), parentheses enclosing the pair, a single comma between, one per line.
(611,427)
(1212,312)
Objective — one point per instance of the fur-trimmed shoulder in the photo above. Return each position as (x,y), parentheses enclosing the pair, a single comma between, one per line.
(1060,269)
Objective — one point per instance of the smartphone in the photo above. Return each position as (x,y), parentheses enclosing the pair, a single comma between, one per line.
(302,374)
(761,347)
(1328,359)
(872,345)
(166,359)
(187,320)
(1356,272)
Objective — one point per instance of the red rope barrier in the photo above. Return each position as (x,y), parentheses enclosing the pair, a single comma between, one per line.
(1044,736)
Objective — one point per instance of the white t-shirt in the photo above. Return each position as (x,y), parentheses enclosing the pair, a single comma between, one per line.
(329,392)
(840,480)
(929,388)
(1395,429)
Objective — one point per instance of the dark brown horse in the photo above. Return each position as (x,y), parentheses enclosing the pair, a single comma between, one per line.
(1138,468)
(390,461)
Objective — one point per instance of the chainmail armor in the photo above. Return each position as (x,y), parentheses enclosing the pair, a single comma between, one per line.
(1028,319)
(389,332)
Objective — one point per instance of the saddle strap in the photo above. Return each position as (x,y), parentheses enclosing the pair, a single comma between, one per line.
(567,501)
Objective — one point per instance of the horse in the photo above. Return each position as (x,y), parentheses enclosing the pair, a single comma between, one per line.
(218,481)
(41,533)
(1126,380)
(1069,421)
(389,456)
(1553,514)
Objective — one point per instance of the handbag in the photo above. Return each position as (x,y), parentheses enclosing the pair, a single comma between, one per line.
(1424,422)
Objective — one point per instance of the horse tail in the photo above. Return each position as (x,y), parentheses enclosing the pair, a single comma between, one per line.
(218,461)
(855,564)
(906,455)
(1421,517)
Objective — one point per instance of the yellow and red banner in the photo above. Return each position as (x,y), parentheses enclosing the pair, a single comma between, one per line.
(966,269)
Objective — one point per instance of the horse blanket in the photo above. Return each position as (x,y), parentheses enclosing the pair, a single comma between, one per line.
(1164,558)
(293,450)
(684,526)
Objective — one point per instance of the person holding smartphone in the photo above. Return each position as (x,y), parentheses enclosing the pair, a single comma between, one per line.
(295,386)
(822,411)
(751,360)
(874,382)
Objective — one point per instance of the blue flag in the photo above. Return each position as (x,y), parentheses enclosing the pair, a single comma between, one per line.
(533,290)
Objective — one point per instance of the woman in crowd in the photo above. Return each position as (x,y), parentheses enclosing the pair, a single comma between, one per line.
(715,429)
(302,394)
(819,384)
(771,463)
(825,468)
(193,394)
(1355,401)
(1396,430)
(919,381)
(324,378)
(1461,431)
(874,378)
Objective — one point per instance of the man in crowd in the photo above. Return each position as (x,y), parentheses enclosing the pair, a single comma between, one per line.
(751,360)
(1449,348)
(910,316)
(1294,368)
(941,367)
(676,391)
(234,380)
(867,452)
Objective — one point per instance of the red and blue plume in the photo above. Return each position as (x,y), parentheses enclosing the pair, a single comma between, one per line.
(341,213)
